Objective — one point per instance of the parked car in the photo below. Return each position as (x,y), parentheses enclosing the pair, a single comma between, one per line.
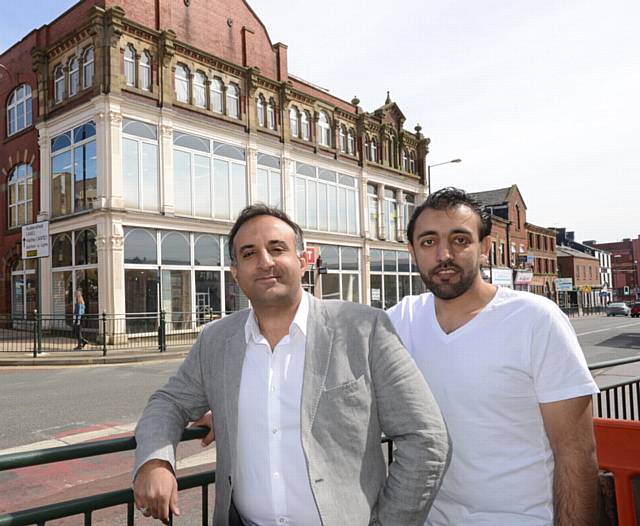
(635,310)
(617,309)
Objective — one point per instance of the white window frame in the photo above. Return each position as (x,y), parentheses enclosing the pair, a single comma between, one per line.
(260,110)
(88,58)
(305,125)
(342,139)
(18,181)
(19,109)
(200,89)
(270,174)
(59,83)
(130,65)
(390,209)
(233,101)
(144,71)
(74,76)
(271,114)
(145,140)
(324,129)
(217,95)
(351,142)
(181,80)
(293,122)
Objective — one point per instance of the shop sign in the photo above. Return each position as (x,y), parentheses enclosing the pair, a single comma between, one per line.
(523,277)
(35,240)
(564,284)
(503,277)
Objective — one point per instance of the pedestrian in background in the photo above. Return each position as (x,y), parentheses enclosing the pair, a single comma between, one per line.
(79,309)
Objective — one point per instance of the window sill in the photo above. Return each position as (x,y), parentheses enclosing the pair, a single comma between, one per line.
(207,113)
(20,133)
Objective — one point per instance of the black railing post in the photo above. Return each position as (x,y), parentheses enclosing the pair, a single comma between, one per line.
(162,335)
(104,333)
(35,333)
(39,330)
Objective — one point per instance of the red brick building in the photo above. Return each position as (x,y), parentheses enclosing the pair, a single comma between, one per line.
(584,270)
(543,260)
(625,268)
(117,111)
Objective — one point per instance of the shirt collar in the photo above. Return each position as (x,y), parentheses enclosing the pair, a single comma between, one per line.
(252,329)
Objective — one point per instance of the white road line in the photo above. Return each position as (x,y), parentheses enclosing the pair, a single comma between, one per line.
(593,332)
(609,328)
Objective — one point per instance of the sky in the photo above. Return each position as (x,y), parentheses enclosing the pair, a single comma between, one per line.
(545,94)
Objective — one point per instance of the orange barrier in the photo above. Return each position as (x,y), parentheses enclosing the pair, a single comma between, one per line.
(618,444)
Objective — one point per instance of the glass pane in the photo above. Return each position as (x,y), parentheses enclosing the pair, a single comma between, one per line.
(390,291)
(221,189)
(90,174)
(329,254)
(140,129)
(342,210)
(235,299)
(327,175)
(61,251)
(376,290)
(330,286)
(202,185)
(301,202)
(182,181)
(62,293)
(175,249)
(130,173)
(346,180)
(18,295)
(86,252)
(176,298)
(376,260)
(61,141)
(84,132)
(333,208)
(31,292)
(275,189)
(352,209)
(312,205)
(403,261)
(87,280)
(149,176)
(350,258)
(262,184)
(305,169)
(350,288)
(207,251)
(389,260)
(61,184)
(404,284)
(191,141)
(417,285)
(227,150)
(141,295)
(238,189)
(269,160)
(208,295)
(140,247)
(323,221)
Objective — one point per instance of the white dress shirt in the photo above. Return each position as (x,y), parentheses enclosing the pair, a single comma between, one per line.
(271,486)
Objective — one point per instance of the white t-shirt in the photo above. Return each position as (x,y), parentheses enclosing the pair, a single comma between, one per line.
(489,377)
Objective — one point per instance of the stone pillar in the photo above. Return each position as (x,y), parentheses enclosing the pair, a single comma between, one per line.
(110,245)
(288,186)
(382,228)
(165,169)
(113,183)
(400,219)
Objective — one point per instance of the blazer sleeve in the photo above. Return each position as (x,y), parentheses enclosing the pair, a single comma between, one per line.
(410,416)
(170,408)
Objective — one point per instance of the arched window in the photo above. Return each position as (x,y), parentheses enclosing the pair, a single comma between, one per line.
(293,122)
(20,195)
(233,101)
(343,139)
(130,65)
(182,83)
(58,80)
(305,120)
(271,114)
(374,150)
(367,148)
(216,95)
(351,142)
(19,111)
(405,160)
(86,252)
(412,162)
(324,129)
(74,77)
(87,68)
(175,249)
(200,90)
(144,71)
(260,109)
(61,251)
(140,247)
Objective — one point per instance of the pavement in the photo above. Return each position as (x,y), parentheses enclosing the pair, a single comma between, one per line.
(90,357)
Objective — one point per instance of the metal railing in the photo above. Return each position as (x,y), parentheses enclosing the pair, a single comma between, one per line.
(620,400)
(38,333)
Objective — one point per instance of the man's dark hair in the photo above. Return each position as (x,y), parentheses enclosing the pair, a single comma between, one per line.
(451,198)
(257,210)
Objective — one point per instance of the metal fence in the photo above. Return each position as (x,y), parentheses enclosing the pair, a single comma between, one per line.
(575,310)
(620,400)
(38,333)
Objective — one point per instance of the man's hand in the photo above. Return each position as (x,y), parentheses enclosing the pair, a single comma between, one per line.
(155,490)
(205,420)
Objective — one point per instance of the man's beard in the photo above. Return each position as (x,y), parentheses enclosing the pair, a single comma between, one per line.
(448,291)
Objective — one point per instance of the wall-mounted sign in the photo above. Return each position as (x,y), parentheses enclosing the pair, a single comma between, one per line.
(523,277)
(35,240)
(564,284)
(503,277)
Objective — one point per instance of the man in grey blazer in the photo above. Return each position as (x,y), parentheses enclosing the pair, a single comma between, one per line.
(300,391)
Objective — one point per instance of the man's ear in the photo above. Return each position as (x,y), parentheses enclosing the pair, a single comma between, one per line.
(234,272)
(486,247)
(303,264)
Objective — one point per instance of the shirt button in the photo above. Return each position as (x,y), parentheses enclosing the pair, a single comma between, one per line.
(276,475)
(274,430)
(281,520)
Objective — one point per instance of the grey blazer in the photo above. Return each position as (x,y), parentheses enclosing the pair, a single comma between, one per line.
(359,381)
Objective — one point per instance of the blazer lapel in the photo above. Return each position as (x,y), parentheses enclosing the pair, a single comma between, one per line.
(235,349)
(316,363)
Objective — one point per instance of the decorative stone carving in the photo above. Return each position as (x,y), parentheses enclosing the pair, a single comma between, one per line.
(115,118)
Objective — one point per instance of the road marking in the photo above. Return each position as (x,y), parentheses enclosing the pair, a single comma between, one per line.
(608,328)
(593,332)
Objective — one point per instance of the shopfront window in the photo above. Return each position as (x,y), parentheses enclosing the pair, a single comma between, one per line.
(24,288)
(393,276)
(342,280)
(140,165)
(268,179)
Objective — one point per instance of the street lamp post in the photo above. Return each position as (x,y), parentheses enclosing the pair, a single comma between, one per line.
(429,166)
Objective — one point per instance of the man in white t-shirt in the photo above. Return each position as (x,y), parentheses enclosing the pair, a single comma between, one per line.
(509,376)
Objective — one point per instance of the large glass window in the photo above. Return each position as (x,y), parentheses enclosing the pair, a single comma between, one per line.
(216,96)
(74,259)
(372,203)
(130,65)
(140,165)
(393,276)
(390,214)
(87,67)
(182,83)
(342,280)
(20,195)
(209,177)
(74,170)
(325,200)
(19,109)
(144,71)
(409,206)
(324,129)
(269,187)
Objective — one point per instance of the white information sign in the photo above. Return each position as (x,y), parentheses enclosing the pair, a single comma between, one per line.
(564,284)
(35,240)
